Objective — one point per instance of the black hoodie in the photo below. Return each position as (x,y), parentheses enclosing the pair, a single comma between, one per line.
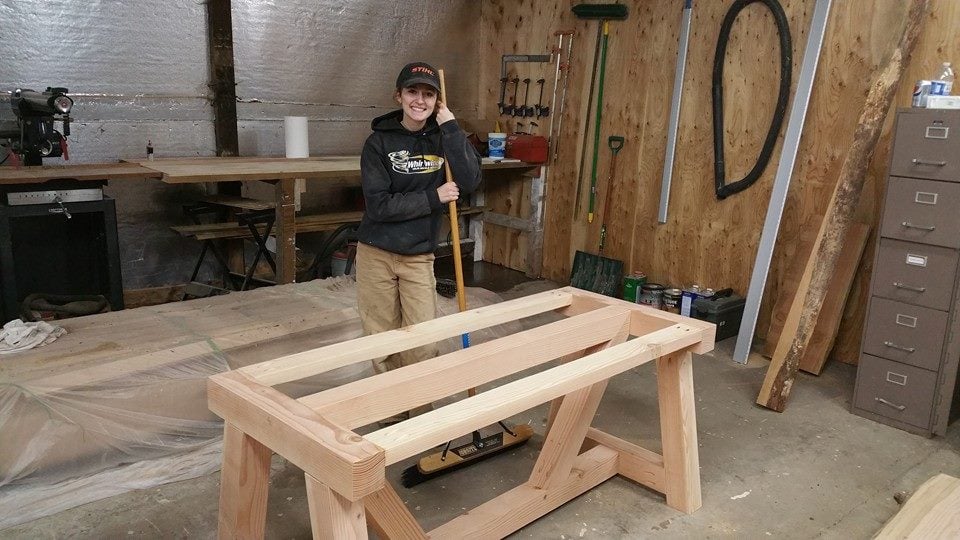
(401,171)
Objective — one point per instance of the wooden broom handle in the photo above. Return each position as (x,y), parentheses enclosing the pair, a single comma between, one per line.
(454,228)
(454,222)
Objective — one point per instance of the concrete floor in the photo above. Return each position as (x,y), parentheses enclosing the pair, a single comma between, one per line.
(813,471)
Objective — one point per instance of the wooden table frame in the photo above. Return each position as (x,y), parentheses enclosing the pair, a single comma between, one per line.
(345,472)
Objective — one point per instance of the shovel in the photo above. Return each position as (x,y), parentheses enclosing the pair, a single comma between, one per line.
(597,273)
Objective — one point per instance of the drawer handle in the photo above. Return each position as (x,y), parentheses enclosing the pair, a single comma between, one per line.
(893,345)
(889,404)
(917,161)
(909,225)
(899,285)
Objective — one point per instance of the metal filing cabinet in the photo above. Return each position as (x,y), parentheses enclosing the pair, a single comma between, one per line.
(911,338)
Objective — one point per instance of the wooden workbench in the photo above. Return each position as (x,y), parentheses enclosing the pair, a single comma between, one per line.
(279,171)
(93,171)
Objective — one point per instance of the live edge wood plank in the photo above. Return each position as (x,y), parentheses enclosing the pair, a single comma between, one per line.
(808,300)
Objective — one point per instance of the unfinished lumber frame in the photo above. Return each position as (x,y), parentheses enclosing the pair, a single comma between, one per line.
(345,472)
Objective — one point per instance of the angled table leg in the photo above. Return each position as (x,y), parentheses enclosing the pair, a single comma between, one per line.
(678,428)
(555,404)
(570,418)
(333,516)
(390,518)
(565,437)
(243,485)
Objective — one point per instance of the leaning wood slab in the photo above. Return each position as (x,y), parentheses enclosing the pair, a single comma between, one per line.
(345,472)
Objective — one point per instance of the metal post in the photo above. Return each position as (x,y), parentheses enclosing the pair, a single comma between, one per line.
(781,183)
(675,111)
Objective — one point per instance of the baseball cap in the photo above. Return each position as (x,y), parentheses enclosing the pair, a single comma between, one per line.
(418,73)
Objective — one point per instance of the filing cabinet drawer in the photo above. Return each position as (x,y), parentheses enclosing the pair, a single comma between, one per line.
(895,390)
(914,273)
(905,333)
(922,211)
(927,145)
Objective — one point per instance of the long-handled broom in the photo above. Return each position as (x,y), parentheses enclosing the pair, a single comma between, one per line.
(479,448)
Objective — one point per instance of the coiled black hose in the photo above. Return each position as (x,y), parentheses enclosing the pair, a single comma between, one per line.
(724,189)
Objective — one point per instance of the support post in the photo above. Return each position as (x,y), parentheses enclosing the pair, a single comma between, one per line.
(333,516)
(244,483)
(286,231)
(678,429)
(222,81)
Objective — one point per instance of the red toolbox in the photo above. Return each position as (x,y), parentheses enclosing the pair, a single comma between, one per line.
(529,148)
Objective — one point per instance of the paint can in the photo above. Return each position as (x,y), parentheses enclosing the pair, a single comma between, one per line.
(651,294)
(686,301)
(631,286)
(671,300)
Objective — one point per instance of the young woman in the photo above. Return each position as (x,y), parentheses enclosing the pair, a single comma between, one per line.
(405,192)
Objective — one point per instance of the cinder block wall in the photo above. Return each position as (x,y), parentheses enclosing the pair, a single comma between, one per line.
(139,71)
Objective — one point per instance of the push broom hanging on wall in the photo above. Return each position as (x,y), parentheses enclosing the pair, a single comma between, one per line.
(601,13)
(724,189)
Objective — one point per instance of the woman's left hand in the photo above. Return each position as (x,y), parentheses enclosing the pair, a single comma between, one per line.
(443,113)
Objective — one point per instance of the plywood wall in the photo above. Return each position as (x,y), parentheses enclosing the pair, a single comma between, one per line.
(709,242)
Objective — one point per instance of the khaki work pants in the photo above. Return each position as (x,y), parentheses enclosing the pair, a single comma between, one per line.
(394,291)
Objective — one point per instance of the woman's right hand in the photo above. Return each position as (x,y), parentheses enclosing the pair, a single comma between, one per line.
(443,113)
(448,192)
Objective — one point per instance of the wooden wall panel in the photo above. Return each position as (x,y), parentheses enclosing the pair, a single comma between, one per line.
(505,194)
(709,242)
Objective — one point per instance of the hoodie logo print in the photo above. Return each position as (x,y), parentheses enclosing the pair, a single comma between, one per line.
(404,163)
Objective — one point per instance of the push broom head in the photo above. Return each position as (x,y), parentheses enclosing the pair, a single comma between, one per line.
(608,12)
(451,459)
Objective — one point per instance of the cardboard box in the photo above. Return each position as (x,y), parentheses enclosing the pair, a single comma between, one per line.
(943,102)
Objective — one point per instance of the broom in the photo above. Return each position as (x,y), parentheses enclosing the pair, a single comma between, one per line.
(479,448)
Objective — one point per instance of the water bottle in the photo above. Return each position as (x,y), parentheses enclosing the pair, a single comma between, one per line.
(945,80)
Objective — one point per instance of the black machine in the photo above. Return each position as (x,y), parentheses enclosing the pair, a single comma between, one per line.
(58,238)
(35,137)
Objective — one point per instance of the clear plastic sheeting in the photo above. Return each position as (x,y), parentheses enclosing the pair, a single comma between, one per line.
(141,416)
(119,403)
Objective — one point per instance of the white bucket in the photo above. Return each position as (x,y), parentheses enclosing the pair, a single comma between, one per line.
(496,144)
